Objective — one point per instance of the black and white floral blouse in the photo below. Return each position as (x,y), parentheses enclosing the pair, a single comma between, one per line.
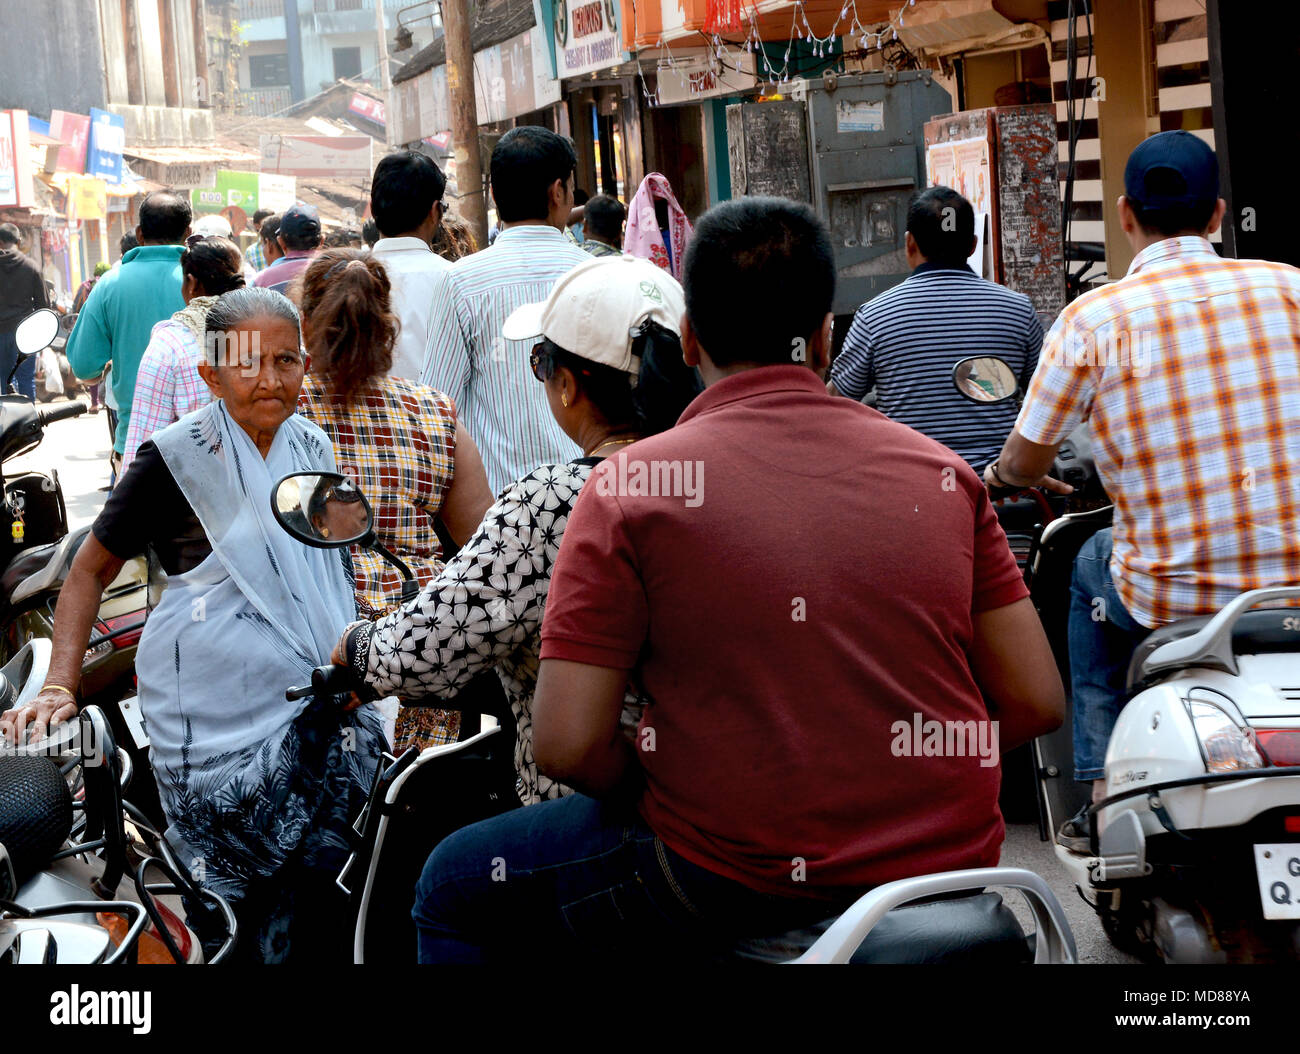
(485,610)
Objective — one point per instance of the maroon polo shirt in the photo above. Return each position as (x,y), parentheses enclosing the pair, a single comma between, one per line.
(807,584)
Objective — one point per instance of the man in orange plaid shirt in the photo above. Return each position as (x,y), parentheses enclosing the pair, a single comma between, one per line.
(1188,369)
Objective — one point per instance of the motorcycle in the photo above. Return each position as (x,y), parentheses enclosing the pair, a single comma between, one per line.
(420,797)
(37,550)
(1194,853)
(68,842)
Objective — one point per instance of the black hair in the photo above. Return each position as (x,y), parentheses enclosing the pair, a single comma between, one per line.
(1170,220)
(259,216)
(215,263)
(580,196)
(525,162)
(405,187)
(759,278)
(127,242)
(942,223)
(9,234)
(164,217)
(604,219)
(370,232)
(269,228)
(648,402)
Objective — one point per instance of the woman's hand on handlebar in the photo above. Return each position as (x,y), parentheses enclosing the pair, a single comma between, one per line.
(48,710)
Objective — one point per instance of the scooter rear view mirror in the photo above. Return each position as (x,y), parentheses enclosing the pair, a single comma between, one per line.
(322,509)
(37,331)
(985,379)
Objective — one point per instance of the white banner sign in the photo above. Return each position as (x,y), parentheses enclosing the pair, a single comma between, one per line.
(276,193)
(690,79)
(586,36)
(328,156)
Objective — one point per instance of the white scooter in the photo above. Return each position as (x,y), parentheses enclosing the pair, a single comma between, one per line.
(419,798)
(1195,851)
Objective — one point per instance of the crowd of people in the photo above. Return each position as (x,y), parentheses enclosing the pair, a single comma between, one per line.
(703,679)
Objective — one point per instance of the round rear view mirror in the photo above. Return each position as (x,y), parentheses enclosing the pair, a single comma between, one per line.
(985,379)
(37,331)
(322,509)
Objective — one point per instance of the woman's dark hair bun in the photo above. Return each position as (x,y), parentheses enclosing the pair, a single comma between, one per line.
(215,263)
(665,384)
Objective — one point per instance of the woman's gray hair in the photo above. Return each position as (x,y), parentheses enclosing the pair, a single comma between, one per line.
(239,306)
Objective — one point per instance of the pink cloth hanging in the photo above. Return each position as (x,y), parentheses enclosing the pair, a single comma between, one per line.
(643,238)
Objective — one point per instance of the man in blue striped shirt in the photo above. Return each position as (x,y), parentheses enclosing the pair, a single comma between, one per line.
(500,402)
(905,342)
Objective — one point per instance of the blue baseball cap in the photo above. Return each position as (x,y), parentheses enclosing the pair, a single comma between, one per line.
(301,221)
(1188,172)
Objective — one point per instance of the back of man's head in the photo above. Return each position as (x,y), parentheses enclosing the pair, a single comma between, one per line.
(525,163)
(404,190)
(942,223)
(758,251)
(370,232)
(258,217)
(1171,181)
(127,242)
(269,227)
(9,236)
(603,219)
(164,218)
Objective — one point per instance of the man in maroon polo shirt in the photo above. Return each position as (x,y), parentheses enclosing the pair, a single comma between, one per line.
(824,614)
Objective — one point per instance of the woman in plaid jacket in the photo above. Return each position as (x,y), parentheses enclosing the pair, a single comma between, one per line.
(400,441)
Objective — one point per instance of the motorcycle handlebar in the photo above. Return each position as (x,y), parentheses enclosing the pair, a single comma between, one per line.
(73,409)
(327,680)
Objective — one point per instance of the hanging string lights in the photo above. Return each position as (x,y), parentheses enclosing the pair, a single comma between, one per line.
(730,17)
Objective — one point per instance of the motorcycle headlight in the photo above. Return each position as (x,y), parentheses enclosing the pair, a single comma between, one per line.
(1226,744)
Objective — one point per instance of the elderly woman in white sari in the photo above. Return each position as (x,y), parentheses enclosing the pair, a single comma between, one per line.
(258,792)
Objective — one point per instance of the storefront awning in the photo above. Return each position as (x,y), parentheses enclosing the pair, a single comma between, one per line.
(188,155)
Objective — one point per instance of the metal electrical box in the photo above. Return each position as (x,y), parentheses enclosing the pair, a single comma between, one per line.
(861,159)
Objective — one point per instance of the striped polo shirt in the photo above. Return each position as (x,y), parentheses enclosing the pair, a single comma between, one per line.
(905,342)
(501,404)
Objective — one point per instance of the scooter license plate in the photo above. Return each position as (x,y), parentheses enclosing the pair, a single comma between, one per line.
(1277,865)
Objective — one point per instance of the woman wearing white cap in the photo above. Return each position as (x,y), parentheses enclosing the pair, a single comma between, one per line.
(608,351)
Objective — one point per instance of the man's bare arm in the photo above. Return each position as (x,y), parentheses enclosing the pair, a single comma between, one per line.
(576,737)
(1015,669)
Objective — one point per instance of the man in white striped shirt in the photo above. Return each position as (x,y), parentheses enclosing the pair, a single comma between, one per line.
(500,402)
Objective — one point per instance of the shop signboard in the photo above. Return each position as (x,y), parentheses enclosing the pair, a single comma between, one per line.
(586,36)
(107,139)
(318,156)
(73,131)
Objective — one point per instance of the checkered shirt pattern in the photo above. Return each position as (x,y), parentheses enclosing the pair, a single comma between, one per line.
(1188,369)
(399,443)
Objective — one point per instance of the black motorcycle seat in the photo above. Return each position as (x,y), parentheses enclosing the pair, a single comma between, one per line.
(979,928)
(24,565)
(1255,633)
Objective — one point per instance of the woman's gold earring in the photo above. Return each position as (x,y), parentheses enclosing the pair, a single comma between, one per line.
(564,398)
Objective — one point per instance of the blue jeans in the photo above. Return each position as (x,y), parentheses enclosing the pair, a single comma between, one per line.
(580,878)
(25,378)
(1102,638)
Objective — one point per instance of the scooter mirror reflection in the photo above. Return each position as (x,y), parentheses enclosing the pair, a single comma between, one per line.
(985,379)
(322,509)
(37,331)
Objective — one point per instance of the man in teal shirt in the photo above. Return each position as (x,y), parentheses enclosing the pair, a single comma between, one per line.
(118,316)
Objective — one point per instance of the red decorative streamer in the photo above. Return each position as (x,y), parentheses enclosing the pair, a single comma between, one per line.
(723,16)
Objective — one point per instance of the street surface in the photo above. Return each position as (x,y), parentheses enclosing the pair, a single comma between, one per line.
(78,449)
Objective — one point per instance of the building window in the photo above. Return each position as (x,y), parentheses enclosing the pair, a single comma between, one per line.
(268,71)
(347,62)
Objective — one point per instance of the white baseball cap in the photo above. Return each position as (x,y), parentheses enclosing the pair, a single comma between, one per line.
(212,226)
(595,310)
